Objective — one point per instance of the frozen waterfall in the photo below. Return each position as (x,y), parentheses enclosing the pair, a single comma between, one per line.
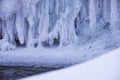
(39,23)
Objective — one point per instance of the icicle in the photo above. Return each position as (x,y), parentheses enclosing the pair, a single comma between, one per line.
(114,13)
(64,26)
(114,27)
(4,30)
(43,22)
(57,7)
(7,32)
(68,35)
(31,20)
(118,2)
(84,12)
(92,14)
(106,10)
(20,27)
(30,32)
(10,29)
(0,28)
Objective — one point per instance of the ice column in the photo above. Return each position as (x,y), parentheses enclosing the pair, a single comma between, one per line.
(106,10)
(114,12)
(32,16)
(92,14)
(64,27)
(43,16)
(20,27)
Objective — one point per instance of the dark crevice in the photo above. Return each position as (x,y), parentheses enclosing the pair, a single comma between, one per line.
(18,44)
(1,29)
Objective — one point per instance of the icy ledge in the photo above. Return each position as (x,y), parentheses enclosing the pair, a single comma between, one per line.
(106,67)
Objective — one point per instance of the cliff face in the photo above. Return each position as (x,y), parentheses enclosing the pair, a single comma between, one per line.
(36,23)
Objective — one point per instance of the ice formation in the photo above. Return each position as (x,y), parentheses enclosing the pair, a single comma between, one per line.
(92,15)
(106,10)
(39,23)
(114,13)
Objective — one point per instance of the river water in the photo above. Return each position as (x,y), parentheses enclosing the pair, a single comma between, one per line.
(18,72)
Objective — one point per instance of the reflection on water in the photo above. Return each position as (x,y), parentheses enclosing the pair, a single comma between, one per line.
(17,72)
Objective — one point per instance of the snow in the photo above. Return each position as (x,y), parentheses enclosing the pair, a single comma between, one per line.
(106,67)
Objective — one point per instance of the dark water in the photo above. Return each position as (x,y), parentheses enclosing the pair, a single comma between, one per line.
(18,72)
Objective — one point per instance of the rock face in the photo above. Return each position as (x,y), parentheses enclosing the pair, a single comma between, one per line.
(36,23)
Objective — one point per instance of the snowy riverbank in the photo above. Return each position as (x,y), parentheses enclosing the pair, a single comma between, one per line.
(106,67)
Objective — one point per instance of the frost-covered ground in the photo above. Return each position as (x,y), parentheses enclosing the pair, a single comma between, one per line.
(106,67)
